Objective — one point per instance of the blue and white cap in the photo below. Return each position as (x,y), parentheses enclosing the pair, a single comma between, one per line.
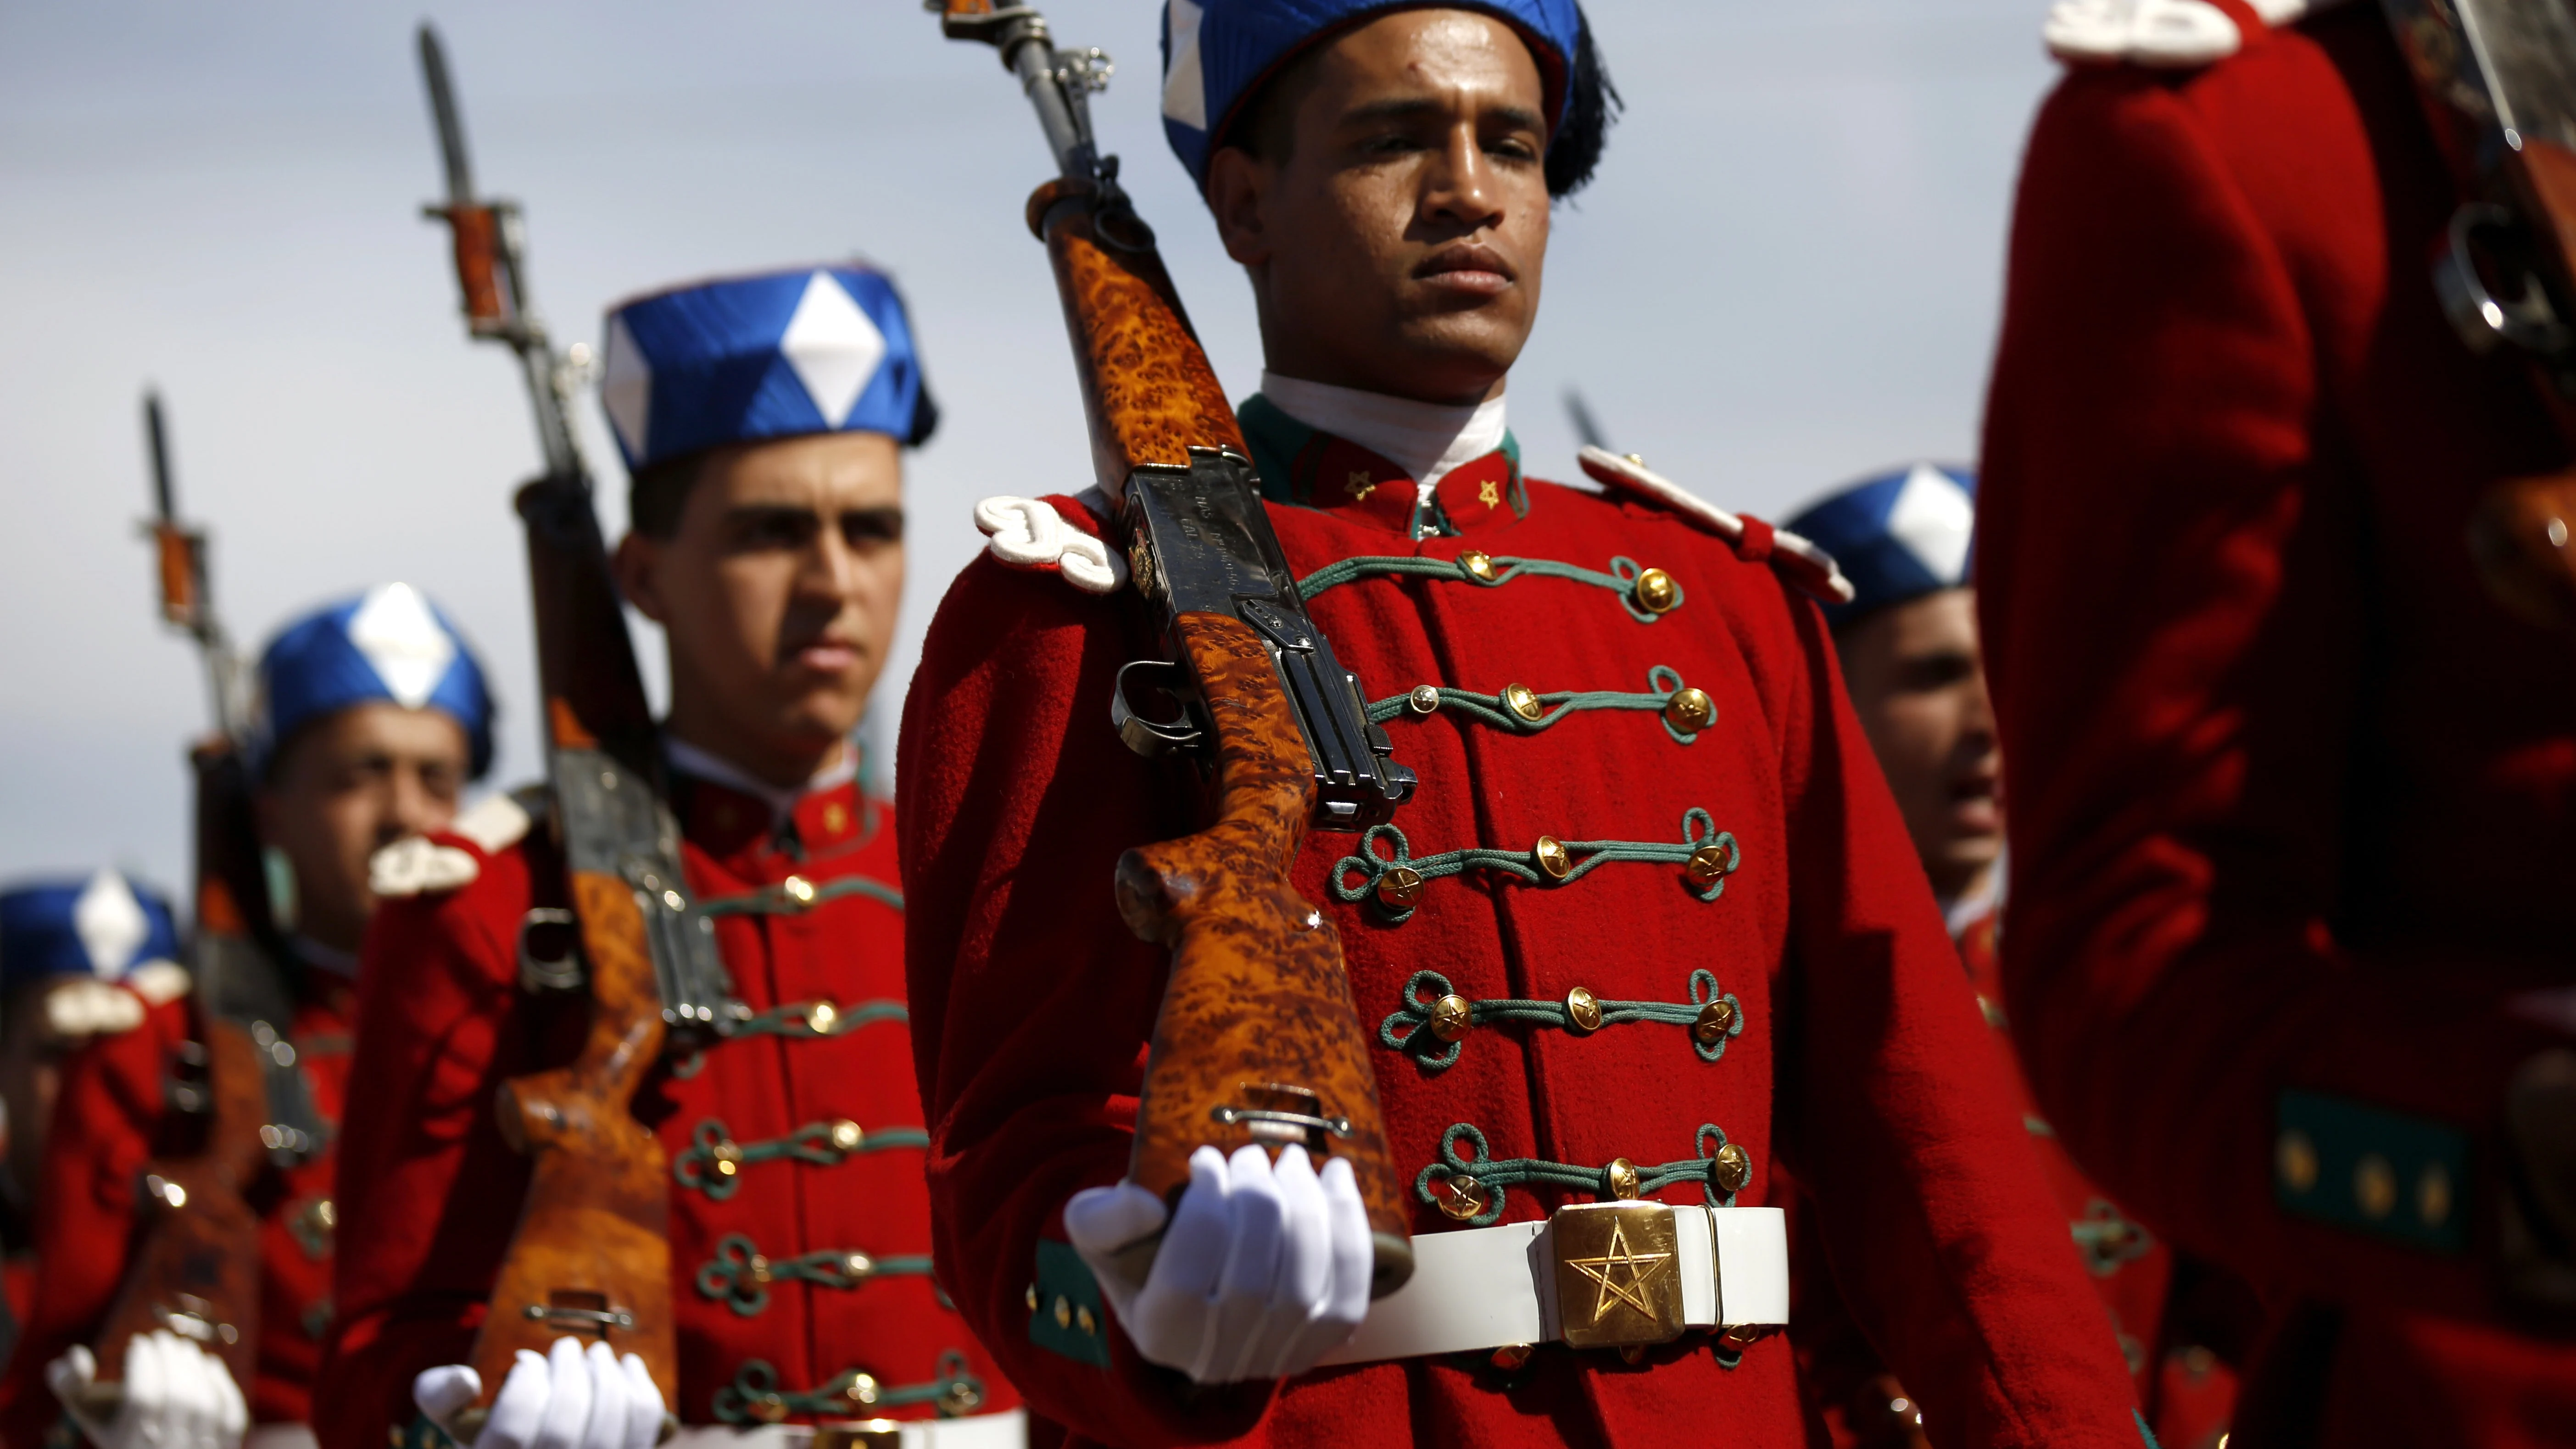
(742,359)
(102,927)
(1217,52)
(389,645)
(1898,537)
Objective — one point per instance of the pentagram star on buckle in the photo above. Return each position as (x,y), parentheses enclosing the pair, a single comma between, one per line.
(1617,1274)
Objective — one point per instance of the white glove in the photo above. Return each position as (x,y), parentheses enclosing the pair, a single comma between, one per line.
(175,1396)
(568,1399)
(1262,1272)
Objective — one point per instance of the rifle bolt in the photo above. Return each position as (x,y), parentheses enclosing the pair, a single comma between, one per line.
(1583,1009)
(1656,592)
(1553,857)
(1452,1016)
(1424,699)
(1400,887)
(846,1135)
(1523,701)
(1690,711)
(1714,1021)
(1479,564)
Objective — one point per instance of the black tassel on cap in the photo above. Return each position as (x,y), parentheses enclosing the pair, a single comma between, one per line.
(1591,104)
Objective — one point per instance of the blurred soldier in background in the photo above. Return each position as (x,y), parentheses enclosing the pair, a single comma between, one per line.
(1911,662)
(372,717)
(2288,952)
(66,949)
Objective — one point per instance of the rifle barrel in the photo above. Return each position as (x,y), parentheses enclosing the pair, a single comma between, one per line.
(1586,426)
(442,107)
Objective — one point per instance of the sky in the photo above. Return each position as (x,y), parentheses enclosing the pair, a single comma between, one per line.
(1786,276)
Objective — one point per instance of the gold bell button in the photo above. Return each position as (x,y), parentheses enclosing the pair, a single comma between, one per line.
(857,1265)
(1583,1009)
(757,1269)
(727,1155)
(1425,699)
(819,1018)
(1523,701)
(1400,887)
(1732,1168)
(1625,1182)
(846,1135)
(1707,864)
(862,1389)
(2374,1185)
(798,889)
(2295,1157)
(1552,857)
(1478,563)
(1463,1197)
(1063,1311)
(1082,1320)
(1656,592)
(1033,1298)
(1715,1020)
(1451,1016)
(769,1409)
(1690,711)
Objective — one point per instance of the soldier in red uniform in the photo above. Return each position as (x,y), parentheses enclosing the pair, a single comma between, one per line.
(763,420)
(1911,661)
(2290,821)
(373,716)
(1660,928)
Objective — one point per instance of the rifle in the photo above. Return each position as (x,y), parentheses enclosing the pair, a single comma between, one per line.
(1258,1039)
(196,1269)
(591,1254)
(2498,82)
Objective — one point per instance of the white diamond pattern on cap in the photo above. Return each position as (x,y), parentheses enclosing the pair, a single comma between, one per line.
(833,346)
(110,923)
(404,642)
(1184,86)
(1935,519)
(626,389)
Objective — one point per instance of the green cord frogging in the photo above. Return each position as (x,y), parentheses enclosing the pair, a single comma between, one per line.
(1496,710)
(1621,580)
(1481,1173)
(1408,1028)
(740,1276)
(755,1398)
(714,1162)
(1699,832)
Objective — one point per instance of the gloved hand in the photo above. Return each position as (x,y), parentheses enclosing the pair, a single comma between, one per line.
(1263,1270)
(570,1398)
(175,1396)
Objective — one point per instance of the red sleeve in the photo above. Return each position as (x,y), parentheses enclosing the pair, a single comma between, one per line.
(107,1117)
(1902,1117)
(1014,802)
(428,1191)
(2171,554)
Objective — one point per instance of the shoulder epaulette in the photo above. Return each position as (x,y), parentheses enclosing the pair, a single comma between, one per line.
(417,864)
(82,1009)
(2159,34)
(1038,534)
(1797,559)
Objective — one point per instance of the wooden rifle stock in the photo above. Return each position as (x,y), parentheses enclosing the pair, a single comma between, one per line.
(1258,1039)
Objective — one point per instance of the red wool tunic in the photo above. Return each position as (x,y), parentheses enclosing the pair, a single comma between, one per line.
(2290,798)
(112,1118)
(1862,1061)
(808,918)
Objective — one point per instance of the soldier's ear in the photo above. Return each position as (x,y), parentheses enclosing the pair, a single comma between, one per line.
(1238,191)
(637,565)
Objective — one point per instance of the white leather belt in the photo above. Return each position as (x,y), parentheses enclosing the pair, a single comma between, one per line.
(1006,1430)
(1595,1275)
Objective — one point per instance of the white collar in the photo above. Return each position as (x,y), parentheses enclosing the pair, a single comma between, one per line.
(1964,911)
(716,770)
(1426,440)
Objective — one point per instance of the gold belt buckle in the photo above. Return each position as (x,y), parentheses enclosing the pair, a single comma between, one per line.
(858,1434)
(1618,1274)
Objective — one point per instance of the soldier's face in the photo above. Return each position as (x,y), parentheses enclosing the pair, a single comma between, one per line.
(777,594)
(1918,682)
(1397,242)
(348,785)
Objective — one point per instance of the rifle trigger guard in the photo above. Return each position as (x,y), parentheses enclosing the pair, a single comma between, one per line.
(1152,738)
(541,972)
(2483,319)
